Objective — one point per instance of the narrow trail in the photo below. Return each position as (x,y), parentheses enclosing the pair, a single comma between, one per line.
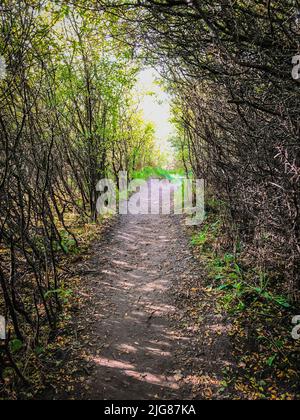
(139,351)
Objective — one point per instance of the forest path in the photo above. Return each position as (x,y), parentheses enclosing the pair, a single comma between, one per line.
(139,351)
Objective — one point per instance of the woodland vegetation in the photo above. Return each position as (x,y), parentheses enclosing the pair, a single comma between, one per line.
(68,117)
(229,66)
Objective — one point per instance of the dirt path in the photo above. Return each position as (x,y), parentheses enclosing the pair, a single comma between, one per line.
(139,350)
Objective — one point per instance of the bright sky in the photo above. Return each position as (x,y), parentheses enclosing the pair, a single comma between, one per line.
(156,108)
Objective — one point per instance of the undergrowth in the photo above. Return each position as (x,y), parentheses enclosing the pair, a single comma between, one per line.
(39,360)
(158,173)
(260,313)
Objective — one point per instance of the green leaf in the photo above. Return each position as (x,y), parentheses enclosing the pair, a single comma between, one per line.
(241,306)
(271,360)
(39,351)
(225,286)
(280,300)
(15,345)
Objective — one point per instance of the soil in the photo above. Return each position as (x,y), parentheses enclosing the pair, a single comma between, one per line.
(143,291)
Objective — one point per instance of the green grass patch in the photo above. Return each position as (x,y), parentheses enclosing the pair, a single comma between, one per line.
(158,173)
(67,244)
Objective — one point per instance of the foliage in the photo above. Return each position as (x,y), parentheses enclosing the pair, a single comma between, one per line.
(68,118)
(259,316)
(156,173)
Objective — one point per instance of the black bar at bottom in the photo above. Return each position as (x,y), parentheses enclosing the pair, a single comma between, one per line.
(140,409)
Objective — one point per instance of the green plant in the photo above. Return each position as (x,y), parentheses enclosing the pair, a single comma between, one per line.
(67,244)
(158,173)
(15,345)
(63,294)
(200,238)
